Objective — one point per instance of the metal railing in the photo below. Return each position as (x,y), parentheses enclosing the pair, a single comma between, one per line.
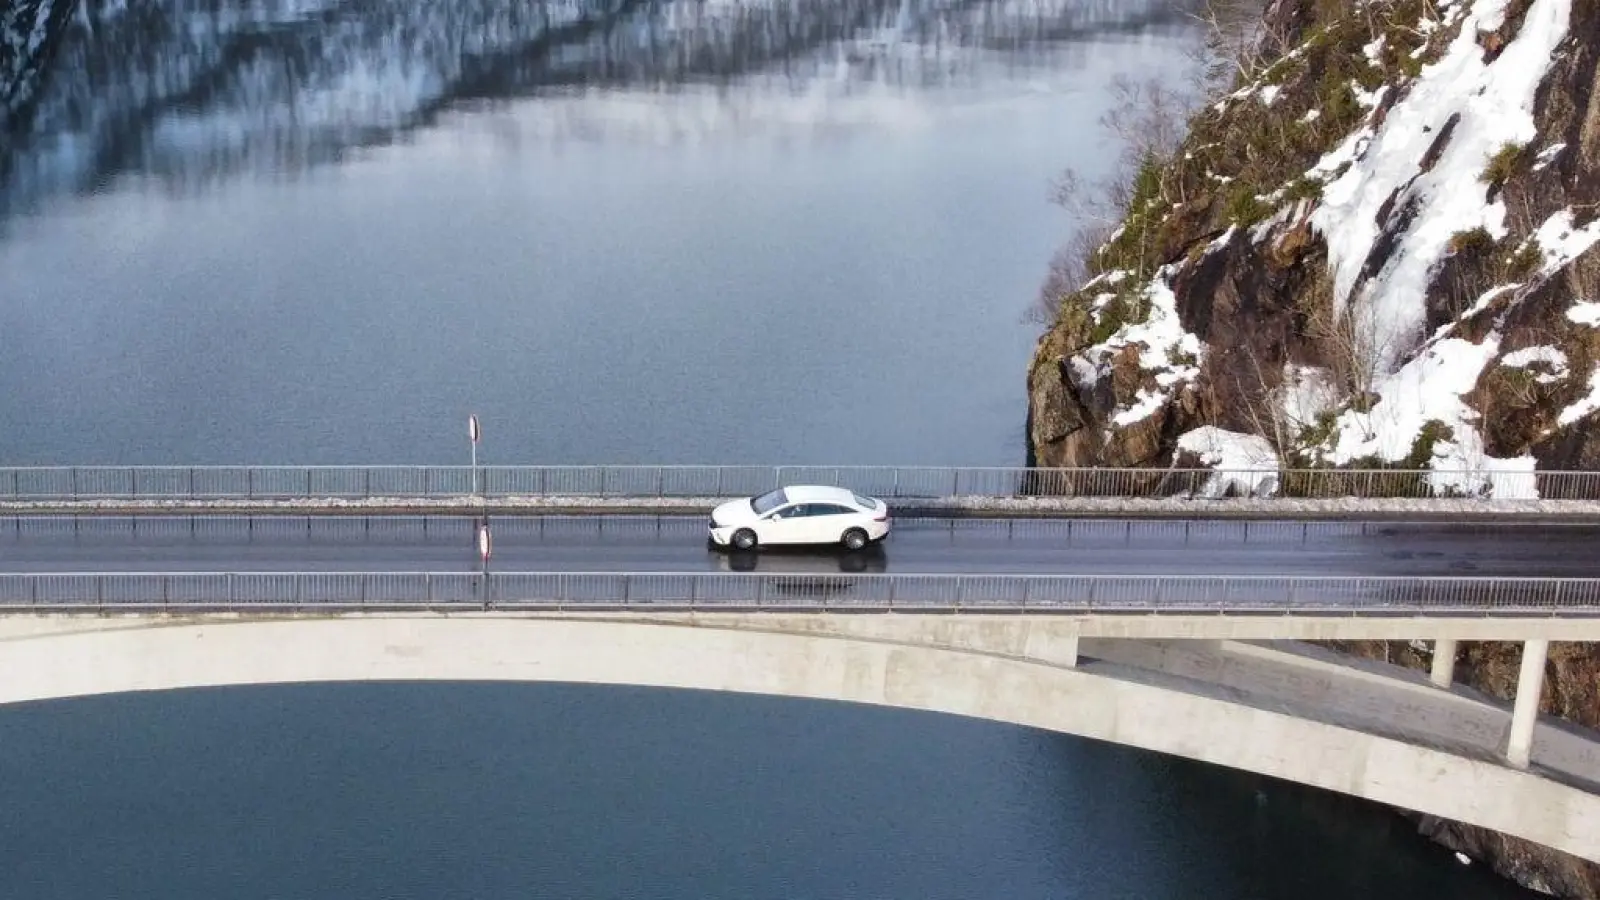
(664,591)
(166,483)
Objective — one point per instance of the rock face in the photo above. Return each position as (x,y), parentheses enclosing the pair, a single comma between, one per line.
(1379,246)
(1349,224)
(29,30)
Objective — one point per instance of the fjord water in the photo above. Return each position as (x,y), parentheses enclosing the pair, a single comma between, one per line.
(806,232)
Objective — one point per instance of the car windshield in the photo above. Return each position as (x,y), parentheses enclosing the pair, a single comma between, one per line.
(768,502)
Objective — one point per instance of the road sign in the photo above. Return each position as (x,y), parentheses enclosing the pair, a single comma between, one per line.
(484,541)
(473,431)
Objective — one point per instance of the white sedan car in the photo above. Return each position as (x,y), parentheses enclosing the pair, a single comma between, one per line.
(801,514)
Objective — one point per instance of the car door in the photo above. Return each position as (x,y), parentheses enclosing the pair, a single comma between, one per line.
(785,525)
(827,522)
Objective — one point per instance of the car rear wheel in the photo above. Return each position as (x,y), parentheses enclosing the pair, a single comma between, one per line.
(744,539)
(854,539)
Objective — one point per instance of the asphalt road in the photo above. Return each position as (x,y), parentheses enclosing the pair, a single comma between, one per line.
(654,544)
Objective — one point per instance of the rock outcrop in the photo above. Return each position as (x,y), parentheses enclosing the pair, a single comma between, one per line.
(29,30)
(1378,247)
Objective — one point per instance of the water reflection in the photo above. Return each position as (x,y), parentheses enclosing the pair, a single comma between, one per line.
(190,90)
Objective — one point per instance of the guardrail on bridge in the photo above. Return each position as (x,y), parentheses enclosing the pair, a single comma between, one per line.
(657,591)
(167,483)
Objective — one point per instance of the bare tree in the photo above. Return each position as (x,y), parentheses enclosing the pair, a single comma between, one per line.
(1239,44)
(1148,121)
(1263,407)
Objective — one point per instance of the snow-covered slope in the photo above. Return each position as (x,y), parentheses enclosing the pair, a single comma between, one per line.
(1380,248)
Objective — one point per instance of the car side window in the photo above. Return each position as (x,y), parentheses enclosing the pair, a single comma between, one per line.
(828,509)
(793,512)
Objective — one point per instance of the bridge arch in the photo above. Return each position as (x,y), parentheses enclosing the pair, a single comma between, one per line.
(60,657)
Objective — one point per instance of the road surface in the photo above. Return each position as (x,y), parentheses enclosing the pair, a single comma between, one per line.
(916,546)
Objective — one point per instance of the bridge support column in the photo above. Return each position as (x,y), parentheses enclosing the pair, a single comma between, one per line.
(1444,662)
(1067,652)
(1046,645)
(1525,711)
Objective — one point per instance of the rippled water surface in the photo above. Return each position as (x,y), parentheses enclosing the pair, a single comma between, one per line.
(622,232)
(479,791)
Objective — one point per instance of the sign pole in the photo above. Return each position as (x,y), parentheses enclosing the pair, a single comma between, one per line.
(484,548)
(474,433)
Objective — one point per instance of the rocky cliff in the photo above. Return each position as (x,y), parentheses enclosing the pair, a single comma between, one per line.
(1378,245)
(29,30)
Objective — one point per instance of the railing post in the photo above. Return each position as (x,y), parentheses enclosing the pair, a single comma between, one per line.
(427,588)
(133,483)
(73,472)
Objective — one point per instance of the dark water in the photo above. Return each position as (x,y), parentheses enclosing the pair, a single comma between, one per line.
(481,791)
(802,231)
(301,231)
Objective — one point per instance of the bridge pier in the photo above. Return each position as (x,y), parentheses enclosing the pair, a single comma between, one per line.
(1525,710)
(1444,662)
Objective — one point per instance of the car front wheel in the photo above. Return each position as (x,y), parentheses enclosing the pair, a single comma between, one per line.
(854,539)
(744,539)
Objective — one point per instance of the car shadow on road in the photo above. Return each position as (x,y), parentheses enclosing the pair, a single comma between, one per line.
(804,561)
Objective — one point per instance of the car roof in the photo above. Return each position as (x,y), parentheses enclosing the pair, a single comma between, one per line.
(816,493)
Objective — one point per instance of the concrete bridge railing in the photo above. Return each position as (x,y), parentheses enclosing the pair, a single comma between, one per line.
(174,483)
(1319,596)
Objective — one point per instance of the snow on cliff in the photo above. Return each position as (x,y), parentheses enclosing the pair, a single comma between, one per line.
(1394,197)
(1491,105)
